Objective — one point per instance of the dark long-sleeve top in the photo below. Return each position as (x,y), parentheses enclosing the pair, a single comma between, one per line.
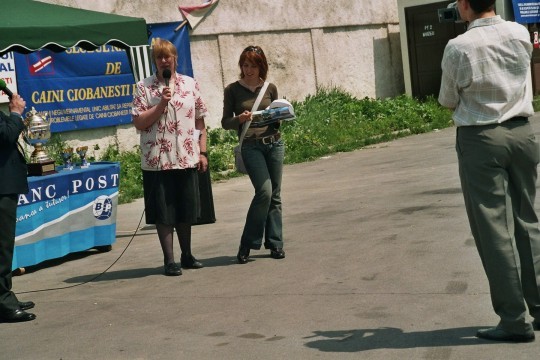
(237,99)
(13,170)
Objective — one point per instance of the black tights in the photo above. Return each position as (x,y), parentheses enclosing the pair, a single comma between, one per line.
(165,234)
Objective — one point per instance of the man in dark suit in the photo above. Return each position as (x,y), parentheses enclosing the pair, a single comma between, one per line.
(13,182)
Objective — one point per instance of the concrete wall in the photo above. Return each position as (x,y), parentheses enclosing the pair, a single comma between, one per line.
(352,44)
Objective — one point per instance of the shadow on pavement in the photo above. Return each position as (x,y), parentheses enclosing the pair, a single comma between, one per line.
(118,275)
(357,340)
(148,271)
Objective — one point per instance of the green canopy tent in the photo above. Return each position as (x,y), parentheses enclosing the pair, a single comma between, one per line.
(29,25)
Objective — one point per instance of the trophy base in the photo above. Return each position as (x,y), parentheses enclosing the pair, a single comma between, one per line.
(41,168)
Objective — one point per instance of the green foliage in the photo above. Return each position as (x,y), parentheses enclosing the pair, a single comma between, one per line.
(536,103)
(220,143)
(55,147)
(332,120)
(130,172)
(328,122)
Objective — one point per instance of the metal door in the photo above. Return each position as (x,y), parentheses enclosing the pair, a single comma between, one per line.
(427,38)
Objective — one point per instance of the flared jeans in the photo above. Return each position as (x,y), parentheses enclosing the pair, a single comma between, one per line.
(264,163)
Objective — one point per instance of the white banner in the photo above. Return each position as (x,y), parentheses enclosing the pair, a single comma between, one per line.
(7,72)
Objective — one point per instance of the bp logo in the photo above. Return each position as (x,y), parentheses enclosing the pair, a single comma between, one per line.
(102,207)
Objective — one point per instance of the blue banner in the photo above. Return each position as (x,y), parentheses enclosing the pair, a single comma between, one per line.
(73,210)
(526,11)
(179,38)
(77,89)
(81,89)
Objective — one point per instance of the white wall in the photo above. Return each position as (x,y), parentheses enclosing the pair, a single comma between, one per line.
(353,44)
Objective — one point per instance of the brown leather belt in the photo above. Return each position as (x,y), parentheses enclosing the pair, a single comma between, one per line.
(266,140)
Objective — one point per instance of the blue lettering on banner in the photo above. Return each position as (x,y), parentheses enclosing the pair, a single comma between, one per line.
(526,11)
(6,67)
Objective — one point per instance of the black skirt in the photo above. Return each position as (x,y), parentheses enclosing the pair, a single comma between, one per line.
(207,215)
(171,196)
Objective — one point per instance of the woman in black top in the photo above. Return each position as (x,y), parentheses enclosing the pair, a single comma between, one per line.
(262,152)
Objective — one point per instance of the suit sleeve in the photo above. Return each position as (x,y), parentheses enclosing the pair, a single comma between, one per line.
(10,128)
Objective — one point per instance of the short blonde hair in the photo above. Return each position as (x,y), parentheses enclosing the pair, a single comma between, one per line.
(162,47)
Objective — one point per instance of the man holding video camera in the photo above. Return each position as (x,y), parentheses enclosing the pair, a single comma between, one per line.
(486,81)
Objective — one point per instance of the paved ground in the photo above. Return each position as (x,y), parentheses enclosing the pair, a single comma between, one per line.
(380,265)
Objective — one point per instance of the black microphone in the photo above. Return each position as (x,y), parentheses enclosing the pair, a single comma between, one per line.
(167,76)
(4,88)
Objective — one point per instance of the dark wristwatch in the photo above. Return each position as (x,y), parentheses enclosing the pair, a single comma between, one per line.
(204,153)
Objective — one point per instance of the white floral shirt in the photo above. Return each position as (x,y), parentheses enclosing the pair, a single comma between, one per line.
(170,142)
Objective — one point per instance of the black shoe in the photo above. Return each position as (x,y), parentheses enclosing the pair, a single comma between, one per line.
(189,262)
(172,269)
(243,255)
(497,334)
(277,253)
(26,305)
(17,315)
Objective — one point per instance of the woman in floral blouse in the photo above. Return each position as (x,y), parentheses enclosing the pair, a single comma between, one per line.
(169,113)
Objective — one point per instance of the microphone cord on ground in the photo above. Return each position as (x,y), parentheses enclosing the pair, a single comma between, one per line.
(98,275)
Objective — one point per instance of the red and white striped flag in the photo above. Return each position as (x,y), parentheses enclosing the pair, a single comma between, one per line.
(194,14)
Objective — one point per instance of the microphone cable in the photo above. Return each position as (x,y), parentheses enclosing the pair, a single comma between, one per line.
(96,276)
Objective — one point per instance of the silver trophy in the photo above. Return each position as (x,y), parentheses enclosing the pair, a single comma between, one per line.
(67,154)
(81,151)
(37,134)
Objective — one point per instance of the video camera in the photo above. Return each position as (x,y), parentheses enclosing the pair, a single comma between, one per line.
(449,14)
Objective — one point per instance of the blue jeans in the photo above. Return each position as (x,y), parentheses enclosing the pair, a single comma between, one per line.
(264,164)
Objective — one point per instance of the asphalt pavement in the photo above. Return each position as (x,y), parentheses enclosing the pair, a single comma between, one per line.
(380,264)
